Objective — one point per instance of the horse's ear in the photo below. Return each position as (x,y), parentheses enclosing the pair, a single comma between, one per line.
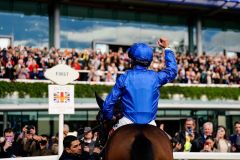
(99,100)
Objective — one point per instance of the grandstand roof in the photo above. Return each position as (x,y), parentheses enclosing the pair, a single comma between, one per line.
(215,9)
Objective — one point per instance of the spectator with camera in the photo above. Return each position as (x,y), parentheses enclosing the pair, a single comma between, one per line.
(186,139)
(235,138)
(29,140)
(42,146)
(9,148)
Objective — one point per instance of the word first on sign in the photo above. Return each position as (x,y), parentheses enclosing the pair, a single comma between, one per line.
(61,99)
(61,74)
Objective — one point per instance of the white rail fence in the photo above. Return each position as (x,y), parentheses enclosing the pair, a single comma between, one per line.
(177,156)
(205,155)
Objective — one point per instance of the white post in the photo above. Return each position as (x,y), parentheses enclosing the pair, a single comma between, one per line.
(199,37)
(56,24)
(5,120)
(60,134)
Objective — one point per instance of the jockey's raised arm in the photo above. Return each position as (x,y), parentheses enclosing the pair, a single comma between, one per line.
(170,72)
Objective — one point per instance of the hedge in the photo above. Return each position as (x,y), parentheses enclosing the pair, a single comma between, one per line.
(40,90)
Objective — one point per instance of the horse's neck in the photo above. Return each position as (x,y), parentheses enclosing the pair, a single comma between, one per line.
(108,126)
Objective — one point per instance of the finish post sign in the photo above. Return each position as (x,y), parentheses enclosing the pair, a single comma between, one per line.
(61,97)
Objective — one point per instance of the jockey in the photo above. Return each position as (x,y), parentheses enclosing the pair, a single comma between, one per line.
(139,88)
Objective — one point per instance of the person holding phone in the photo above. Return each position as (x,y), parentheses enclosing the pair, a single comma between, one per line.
(9,148)
(186,140)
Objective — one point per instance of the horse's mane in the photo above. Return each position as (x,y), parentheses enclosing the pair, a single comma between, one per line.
(141,148)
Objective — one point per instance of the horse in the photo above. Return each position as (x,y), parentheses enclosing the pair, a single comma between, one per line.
(135,141)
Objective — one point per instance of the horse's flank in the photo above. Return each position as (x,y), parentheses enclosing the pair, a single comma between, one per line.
(141,145)
(140,142)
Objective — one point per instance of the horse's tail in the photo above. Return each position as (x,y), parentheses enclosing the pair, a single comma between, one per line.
(142,148)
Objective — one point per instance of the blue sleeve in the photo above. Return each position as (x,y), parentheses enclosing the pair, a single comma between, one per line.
(170,72)
(112,98)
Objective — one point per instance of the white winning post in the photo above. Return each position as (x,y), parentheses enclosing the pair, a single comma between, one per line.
(61,96)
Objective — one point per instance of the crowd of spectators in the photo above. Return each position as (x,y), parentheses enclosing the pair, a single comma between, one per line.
(25,144)
(207,140)
(29,144)
(86,145)
(30,63)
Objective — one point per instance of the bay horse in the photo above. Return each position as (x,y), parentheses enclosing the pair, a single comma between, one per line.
(135,141)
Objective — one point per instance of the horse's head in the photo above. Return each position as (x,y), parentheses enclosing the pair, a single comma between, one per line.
(100,102)
(105,126)
(117,112)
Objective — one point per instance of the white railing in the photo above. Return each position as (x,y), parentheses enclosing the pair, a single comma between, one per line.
(206,155)
(35,158)
(177,155)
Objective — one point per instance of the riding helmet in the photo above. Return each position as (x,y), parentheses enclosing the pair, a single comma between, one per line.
(141,54)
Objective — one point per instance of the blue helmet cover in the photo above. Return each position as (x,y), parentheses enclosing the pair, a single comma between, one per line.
(141,52)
